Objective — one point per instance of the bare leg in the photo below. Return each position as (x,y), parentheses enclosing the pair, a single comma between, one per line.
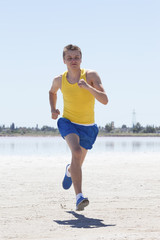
(84,153)
(78,156)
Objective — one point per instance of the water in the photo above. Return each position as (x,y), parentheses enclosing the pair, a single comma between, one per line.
(51,146)
(128,144)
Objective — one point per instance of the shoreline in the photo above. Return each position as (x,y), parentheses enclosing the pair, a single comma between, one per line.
(99,135)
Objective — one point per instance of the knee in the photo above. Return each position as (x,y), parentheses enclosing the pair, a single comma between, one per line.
(77,154)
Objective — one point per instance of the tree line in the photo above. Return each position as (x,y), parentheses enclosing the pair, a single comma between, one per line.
(137,128)
(109,128)
(27,130)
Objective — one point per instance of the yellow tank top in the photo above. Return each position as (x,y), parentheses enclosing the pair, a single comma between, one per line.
(78,102)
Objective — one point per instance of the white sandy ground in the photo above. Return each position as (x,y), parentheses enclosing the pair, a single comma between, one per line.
(123,189)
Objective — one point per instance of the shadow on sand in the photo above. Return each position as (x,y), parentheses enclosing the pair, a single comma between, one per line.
(82,222)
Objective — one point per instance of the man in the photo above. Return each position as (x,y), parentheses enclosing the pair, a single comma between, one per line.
(80,88)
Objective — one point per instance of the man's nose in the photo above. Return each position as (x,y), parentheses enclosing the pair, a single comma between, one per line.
(73,59)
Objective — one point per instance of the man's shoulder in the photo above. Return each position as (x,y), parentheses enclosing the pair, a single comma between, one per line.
(90,74)
(57,81)
(58,78)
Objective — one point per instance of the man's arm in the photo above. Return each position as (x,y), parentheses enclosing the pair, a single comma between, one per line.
(94,86)
(56,85)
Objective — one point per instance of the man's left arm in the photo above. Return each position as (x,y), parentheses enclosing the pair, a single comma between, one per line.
(94,86)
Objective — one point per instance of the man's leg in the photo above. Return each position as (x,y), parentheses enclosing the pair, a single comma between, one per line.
(78,156)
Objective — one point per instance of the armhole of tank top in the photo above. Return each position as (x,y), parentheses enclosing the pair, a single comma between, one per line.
(85,72)
(82,73)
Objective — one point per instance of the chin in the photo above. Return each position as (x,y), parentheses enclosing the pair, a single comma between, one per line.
(75,67)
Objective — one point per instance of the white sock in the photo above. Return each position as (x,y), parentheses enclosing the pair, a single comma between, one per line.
(67,172)
(78,196)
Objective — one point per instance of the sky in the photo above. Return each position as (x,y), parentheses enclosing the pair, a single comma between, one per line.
(120,39)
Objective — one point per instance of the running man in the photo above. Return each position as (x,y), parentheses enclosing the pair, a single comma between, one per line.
(79,88)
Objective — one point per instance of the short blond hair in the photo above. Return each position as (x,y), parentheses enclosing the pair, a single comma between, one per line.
(72,48)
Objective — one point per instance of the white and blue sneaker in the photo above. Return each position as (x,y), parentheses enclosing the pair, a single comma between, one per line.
(81,203)
(67,181)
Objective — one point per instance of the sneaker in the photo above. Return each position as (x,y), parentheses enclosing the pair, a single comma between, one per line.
(67,181)
(81,203)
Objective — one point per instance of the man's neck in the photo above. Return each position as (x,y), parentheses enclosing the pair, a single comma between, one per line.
(73,76)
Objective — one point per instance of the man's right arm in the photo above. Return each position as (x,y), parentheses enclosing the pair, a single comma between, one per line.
(56,85)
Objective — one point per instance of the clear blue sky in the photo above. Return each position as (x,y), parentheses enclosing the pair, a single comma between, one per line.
(120,39)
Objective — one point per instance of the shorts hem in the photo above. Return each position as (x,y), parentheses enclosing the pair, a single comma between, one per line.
(87,134)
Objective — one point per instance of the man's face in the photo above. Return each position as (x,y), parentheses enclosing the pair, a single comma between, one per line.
(72,59)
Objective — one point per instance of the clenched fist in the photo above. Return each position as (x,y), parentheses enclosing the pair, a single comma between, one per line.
(82,84)
(55,114)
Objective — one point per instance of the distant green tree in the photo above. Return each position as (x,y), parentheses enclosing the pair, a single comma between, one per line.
(47,128)
(157,129)
(108,127)
(137,128)
(149,129)
(12,127)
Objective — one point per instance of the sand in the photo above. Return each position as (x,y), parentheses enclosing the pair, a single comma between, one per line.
(123,189)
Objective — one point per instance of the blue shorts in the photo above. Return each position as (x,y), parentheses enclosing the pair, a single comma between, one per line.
(87,134)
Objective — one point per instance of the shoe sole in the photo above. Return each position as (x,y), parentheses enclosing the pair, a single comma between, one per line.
(82,205)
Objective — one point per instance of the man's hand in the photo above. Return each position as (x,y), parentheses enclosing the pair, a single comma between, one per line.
(55,114)
(82,84)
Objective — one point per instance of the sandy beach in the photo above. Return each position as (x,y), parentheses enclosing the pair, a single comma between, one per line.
(123,189)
